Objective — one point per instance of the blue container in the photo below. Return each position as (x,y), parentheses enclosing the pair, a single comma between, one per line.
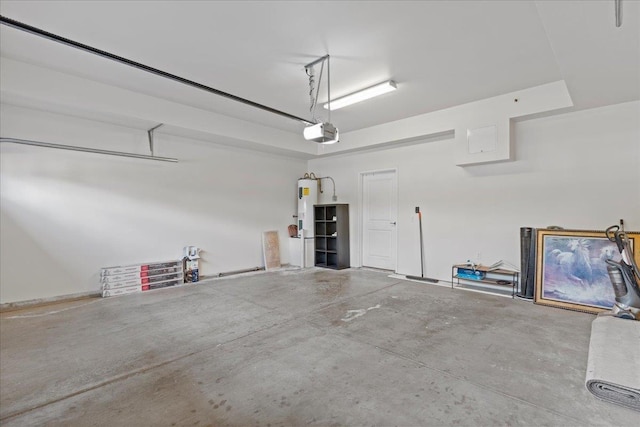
(470,274)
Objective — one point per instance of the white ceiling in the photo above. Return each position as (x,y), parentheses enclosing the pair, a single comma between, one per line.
(440,53)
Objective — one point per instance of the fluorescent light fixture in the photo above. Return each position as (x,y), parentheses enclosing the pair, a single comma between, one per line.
(361,95)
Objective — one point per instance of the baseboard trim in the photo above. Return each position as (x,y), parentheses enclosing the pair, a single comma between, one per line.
(20,305)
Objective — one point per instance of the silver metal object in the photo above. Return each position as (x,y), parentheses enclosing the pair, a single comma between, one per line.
(333,197)
(150,135)
(310,132)
(314,102)
(317,61)
(86,149)
(624,276)
(329,87)
(618,6)
(246,270)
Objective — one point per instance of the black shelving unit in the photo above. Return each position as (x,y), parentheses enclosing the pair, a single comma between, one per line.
(332,236)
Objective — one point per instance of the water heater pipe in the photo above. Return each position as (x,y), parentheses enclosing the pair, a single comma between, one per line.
(334,197)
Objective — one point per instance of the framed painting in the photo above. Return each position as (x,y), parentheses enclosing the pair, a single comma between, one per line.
(571,269)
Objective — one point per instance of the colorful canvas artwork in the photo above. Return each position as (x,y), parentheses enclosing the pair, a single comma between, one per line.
(572,269)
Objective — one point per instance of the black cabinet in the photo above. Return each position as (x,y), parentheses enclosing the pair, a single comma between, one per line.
(332,236)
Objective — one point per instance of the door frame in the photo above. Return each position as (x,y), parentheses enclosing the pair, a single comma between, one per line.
(361,211)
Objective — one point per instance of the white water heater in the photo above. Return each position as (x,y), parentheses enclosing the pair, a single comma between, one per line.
(307,197)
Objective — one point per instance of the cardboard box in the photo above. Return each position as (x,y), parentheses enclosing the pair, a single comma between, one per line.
(125,283)
(163,284)
(121,291)
(114,271)
(162,271)
(153,266)
(121,277)
(137,268)
(164,277)
(121,280)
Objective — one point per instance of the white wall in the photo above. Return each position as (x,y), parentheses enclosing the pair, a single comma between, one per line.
(579,170)
(34,86)
(496,111)
(64,214)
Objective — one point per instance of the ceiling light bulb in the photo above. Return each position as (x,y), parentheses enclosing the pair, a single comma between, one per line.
(361,95)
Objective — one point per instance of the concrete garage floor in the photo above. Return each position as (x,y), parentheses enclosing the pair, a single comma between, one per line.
(284,349)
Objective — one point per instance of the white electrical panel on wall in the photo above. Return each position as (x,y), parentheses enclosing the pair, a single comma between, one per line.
(482,140)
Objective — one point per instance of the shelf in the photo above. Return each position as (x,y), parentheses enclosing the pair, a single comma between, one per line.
(331,228)
(488,281)
(320,258)
(485,289)
(492,284)
(332,244)
(332,236)
(321,243)
(486,269)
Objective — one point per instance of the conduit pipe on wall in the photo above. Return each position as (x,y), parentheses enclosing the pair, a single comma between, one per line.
(334,197)
(311,175)
(86,149)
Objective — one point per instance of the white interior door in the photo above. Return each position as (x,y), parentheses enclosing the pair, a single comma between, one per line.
(379,216)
